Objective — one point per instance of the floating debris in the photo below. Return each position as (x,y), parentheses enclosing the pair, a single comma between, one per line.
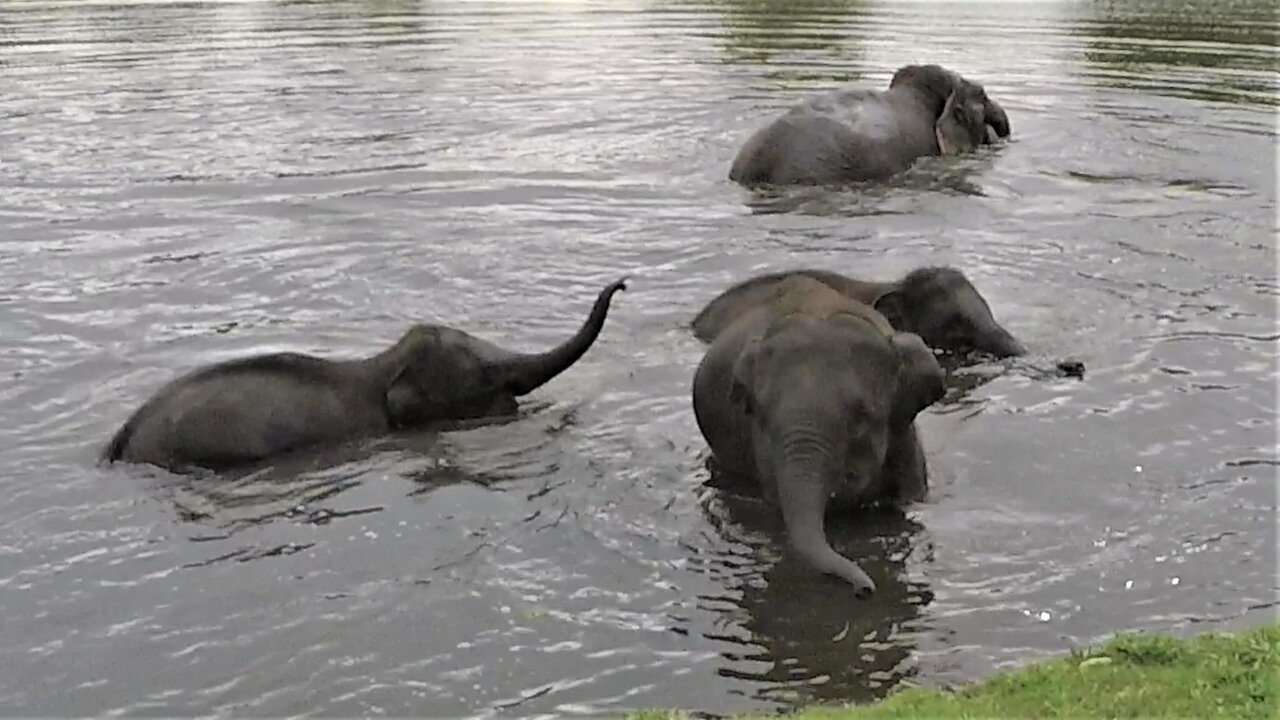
(1071,367)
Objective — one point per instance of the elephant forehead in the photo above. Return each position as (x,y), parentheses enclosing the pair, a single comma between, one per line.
(478,347)
(831,346)
(973,90)
(439,343)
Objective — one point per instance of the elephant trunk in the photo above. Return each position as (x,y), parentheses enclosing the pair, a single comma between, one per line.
(996,118)
(526,372)
(803,491)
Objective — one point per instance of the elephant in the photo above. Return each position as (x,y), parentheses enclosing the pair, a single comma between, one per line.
(937,303)
(813,399)
(258,408)
(855,134)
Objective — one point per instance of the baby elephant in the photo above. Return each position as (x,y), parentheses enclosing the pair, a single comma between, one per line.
(857,134)
(242,411)
(814,398)
(937,303)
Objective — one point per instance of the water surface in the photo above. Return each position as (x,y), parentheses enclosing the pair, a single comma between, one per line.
(188,183)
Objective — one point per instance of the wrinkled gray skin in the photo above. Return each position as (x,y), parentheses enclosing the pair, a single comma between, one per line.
(855,134)
(937,303)
(815,400)
(252,409)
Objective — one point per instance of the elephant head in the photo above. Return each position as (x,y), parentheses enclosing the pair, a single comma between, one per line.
(436,372)
(941,306)
(823,396)
(962,125)
(944,89)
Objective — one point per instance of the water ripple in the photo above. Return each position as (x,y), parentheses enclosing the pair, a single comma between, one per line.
(184,184)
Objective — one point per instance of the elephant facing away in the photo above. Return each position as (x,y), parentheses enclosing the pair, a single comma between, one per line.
(855,134)
(937,303)
(813,398)
(252,409)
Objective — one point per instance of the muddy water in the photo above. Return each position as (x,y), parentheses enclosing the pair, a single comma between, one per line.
(186,184)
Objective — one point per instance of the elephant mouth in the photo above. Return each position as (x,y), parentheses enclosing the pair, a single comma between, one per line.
(957,356)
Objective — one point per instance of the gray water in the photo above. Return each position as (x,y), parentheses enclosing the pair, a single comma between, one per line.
(185,184)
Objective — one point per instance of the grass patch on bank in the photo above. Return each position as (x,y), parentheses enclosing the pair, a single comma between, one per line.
(1131,676)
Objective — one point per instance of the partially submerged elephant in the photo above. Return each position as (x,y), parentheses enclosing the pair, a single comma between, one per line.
(857,134)
(814,398)
(937,303)
(251,409)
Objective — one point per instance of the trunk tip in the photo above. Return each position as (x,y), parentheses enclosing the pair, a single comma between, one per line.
(606,295)
(615,286)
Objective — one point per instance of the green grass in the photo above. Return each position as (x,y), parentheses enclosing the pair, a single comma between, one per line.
(1131,676)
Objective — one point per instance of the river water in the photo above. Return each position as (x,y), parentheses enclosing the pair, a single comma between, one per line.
(181,184)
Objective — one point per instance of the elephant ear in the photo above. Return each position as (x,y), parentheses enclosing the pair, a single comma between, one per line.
(920,378)
(744,377)
(400,368)
(961,126)
(402,399)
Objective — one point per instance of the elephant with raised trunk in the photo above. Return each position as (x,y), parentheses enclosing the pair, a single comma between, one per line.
(937,303)
(813,398)
(253,409)
(856,134)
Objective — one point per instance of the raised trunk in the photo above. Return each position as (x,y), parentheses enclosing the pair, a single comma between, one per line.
(803,493)
(524,373)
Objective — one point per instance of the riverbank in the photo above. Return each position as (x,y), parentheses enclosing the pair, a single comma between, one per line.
(1215,675)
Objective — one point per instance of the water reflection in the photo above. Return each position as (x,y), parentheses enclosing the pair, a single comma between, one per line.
(956,175)
(344,167)
(776,32)
(305,487)
(807,639)
(1135,44)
